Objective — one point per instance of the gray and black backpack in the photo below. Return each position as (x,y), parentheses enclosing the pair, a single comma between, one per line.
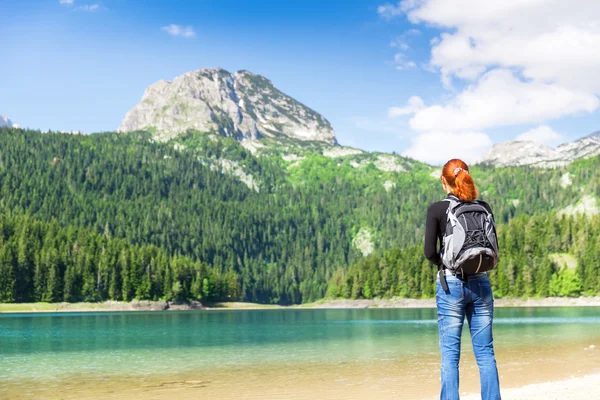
(470,243)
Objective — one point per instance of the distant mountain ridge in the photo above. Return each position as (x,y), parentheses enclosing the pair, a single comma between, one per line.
(5,121)
(240,105)
(526,153)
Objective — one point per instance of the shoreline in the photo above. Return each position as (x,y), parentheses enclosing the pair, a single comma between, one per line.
(378,380)
(430,303)
(573,388)
(146,305)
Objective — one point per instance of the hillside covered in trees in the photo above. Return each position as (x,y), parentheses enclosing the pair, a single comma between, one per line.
(120,216)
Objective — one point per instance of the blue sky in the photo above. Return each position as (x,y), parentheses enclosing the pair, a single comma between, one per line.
(82,66)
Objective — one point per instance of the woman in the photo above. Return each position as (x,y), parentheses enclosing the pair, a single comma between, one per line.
(460,296)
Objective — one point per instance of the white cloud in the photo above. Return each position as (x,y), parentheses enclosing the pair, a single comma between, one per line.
(499,98)
(89,7)
(400,44)
(85,7)
(402,62)
(178,30)
(542,134)
(401,41)
(517,61)
(415,103)
(438,147)
(543,39)
(412,32)
(389,11)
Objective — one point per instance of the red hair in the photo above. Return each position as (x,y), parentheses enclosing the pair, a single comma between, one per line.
(456,173)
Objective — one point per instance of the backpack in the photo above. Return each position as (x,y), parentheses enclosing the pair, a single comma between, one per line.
(470,243)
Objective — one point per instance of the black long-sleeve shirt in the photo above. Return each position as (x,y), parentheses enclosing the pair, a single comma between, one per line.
(435,227)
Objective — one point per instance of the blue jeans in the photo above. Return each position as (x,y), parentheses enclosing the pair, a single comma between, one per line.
(474,300)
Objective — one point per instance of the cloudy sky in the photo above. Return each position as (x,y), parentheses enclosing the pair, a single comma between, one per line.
(430,79)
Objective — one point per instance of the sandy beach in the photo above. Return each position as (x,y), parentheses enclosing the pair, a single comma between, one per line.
(430,303)
(565,373)
(337,385)
(576,388)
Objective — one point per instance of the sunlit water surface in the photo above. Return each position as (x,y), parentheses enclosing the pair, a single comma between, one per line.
(51,347)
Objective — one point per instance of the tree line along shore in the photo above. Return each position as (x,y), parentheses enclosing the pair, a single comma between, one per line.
(43,262)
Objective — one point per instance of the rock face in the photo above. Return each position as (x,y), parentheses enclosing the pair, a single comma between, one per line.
(517,153)
(585,147)
(4,121)
(240,105)
(587,206)
(363,241)
(389,163)
(340,151)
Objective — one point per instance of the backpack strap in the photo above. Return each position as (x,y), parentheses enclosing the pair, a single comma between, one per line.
(454,201)
(442,276)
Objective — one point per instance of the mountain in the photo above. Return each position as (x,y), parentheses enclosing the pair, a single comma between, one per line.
(240,105)
(219,187)
(582,148)
(519,153)
(525,153)
(4,121)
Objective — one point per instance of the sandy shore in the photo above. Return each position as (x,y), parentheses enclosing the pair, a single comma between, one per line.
(541,373)
(135,305)
(145,305)
(430,303)
(577,388)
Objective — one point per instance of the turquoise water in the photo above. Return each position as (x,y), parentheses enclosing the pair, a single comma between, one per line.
(51,346)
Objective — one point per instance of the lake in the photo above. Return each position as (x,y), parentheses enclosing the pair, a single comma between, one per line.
(278,354)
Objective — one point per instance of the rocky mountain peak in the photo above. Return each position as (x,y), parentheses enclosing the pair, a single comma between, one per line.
(519,153)
(241,105)
(5,121)
(593,135)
